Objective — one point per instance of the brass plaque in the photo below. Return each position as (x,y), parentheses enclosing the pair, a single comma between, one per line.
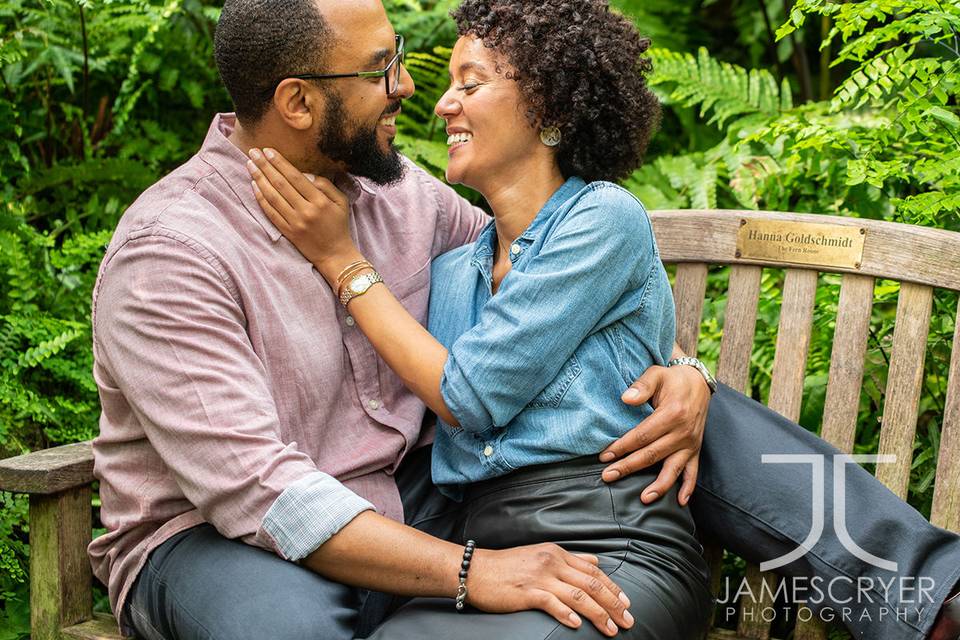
(824,245)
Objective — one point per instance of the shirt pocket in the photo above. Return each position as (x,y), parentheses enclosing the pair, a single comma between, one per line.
(553,393)
(415,283)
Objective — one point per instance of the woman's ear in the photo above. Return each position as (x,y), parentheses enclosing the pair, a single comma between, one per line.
(296,103)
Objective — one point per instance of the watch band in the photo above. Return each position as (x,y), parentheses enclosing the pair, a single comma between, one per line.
(358,286)
(699,366)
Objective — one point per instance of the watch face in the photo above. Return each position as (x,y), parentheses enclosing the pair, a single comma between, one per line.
(360,284)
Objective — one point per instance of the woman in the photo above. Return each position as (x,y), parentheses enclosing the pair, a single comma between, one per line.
(561,298)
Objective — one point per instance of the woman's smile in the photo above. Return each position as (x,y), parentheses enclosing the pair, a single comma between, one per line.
(457,139)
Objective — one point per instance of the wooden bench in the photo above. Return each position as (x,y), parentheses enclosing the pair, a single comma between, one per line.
(58,480)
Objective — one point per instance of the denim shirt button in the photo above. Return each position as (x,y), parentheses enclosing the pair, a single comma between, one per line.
(374,404)
(350,321)
(515,249)
(488,451)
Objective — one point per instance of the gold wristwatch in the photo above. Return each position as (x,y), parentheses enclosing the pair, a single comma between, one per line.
(359,286)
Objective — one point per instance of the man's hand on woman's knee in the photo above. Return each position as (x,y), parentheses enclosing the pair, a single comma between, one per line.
(673,433)
(565,585)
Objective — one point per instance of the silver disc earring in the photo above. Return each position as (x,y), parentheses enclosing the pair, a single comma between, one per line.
(550,136)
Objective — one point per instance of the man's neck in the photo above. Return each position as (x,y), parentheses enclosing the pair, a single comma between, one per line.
(283,141)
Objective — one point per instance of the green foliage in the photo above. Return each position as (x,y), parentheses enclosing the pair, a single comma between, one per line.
(97,101)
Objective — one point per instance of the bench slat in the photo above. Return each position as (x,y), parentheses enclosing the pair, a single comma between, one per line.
(752,609)
(786,396)
(690,286)
(101,627)
(739,326)
(904,383)
(842,404)
(946,493)
(49,471)
(793,343)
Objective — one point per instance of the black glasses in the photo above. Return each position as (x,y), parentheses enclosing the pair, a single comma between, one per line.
(390,73)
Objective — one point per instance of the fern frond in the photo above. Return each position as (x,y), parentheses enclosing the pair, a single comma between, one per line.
(724,91)
(35,355)
(127,172)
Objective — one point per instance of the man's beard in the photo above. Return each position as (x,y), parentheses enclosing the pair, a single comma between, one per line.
(360,152)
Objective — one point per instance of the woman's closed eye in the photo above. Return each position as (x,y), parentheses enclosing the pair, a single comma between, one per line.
(470,87)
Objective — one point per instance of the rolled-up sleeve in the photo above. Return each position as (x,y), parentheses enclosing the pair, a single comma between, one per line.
(169,328)
(592,270)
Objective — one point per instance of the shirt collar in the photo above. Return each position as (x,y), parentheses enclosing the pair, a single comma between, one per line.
(484,249)
(231,164)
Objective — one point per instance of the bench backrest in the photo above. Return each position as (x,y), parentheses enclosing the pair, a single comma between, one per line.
(919,258)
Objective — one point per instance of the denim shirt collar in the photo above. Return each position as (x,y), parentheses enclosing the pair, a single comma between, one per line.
(485,246)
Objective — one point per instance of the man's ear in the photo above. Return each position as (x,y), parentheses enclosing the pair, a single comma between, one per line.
(297,103)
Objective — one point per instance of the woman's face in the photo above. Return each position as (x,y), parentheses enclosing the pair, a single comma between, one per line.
(490,138)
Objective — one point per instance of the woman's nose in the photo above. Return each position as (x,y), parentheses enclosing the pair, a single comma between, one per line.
(447,106)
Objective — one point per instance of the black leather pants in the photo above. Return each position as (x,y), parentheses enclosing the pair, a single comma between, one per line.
(648,550)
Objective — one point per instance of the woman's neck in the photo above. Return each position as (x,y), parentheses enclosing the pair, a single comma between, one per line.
(516,199)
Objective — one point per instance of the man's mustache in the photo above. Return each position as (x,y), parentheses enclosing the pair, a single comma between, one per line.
(394,108)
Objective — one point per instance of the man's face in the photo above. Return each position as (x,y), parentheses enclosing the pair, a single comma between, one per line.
(358,125)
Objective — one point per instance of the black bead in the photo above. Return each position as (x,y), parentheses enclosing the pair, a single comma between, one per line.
(463,573)
(465,564)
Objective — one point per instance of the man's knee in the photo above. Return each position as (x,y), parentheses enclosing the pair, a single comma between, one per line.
(266,618)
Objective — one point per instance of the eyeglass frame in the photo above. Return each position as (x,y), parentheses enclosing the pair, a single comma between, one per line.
(382,73)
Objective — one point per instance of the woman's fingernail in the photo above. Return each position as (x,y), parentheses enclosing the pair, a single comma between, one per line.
(255,154)
(612,626)
(269,153)
(653,495)
(575,619)
(611,475)
(628,618)
(256,188)
(251,167)
(310,177)
(625,600)
(607,456)
(631,395)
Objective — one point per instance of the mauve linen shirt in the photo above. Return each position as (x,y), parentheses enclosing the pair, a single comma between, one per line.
(236,390)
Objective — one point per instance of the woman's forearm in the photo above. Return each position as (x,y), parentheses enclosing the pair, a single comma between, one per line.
(409,349)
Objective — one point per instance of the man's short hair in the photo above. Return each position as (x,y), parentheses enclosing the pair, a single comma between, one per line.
(258,43)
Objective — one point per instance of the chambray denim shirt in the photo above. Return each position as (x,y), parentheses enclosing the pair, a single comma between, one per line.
(535,373)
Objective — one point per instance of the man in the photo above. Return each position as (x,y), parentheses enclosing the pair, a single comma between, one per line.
(257,458)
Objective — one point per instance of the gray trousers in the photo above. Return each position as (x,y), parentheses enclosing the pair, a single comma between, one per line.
(198,585)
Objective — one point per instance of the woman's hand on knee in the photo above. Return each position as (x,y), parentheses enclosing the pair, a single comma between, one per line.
(567,586)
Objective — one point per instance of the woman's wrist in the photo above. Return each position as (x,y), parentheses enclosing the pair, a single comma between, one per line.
(332,266)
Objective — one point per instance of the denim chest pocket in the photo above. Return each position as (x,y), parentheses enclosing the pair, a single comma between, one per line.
(553,393)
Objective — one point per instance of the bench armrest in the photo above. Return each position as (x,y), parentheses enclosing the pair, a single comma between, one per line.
(48,471)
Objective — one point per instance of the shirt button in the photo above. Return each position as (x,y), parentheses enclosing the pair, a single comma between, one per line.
(374,404)
(515,249)
(350,321)
(488,451)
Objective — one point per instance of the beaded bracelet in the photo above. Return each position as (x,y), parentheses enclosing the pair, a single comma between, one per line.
(464,567)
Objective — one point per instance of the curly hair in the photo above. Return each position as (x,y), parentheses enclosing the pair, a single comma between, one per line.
(581,68)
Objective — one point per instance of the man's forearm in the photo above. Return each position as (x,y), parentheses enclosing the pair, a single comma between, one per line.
(377,553)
